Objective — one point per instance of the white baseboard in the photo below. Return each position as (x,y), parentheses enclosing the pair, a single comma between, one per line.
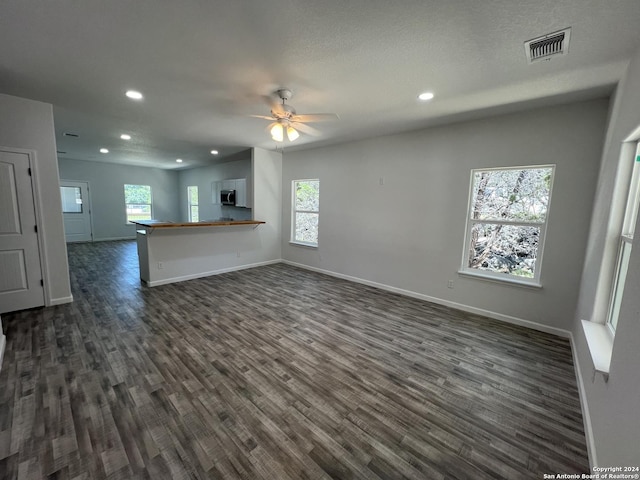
(60,301)
(458,306)
(586,416)
(193,276)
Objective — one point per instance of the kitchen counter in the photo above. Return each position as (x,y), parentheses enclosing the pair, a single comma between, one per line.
(205,223)
(171,252)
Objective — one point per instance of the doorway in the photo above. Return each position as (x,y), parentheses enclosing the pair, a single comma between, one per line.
(76,211)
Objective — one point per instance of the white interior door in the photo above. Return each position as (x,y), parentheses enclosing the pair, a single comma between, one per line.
(76,211)
(20,268)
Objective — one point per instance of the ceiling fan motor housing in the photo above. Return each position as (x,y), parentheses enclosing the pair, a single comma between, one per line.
(284,93)
(284,111)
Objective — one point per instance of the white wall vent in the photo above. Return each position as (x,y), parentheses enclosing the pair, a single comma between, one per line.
(543,48)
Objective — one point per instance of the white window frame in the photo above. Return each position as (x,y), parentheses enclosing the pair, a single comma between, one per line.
(624,245)
(126,205)
(294,211)
(470,222)
(191,205)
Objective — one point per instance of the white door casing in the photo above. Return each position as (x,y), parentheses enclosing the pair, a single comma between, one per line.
(76,211)
(21,284)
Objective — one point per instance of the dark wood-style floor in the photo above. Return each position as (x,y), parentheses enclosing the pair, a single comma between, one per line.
(276,373)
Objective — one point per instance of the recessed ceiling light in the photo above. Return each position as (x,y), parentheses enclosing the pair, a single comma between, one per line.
(134,95)
(214,152)
(179,160)
(425,96)
(124,136)
(104,150)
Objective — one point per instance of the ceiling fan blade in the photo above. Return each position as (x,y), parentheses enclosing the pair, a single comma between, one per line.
(264,117)
(315,117)
(277,108)
(306,129)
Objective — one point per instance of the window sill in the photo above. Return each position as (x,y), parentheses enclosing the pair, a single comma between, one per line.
(600,343)
(509,281)
(302,244)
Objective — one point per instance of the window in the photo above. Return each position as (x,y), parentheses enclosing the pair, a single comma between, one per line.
(137,199)
(306,211)
(624,245)
(506,222)
(71,199)
(192,202)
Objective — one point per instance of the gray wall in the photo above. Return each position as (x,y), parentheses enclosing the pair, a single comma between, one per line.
(612,409)
(408,233)
(106,184)
(236,166)
(28,124)
(266,168)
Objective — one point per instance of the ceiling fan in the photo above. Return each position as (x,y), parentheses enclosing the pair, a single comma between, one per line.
(285,118)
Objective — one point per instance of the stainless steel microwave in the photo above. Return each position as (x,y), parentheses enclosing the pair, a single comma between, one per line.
(228,197)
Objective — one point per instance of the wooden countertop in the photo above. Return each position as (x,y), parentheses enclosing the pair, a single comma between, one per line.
(221,223)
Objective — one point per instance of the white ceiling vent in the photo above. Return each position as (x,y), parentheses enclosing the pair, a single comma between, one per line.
(543,48)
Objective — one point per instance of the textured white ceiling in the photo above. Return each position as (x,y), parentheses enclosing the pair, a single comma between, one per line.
(203,66)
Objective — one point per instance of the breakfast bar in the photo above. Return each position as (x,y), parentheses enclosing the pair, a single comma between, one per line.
(171,252)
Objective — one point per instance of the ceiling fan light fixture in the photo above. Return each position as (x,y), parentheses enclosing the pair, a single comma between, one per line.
(292,134)
(284,117)
(277,132)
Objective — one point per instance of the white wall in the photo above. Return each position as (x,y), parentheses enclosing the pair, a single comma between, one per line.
(28,124)
(106,185)
(408,233)
(236,166)
(613,411)
(267,190)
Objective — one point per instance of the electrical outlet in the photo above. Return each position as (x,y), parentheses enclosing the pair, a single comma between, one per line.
(160,265)
(238,253)
(381,181)
(449,283)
